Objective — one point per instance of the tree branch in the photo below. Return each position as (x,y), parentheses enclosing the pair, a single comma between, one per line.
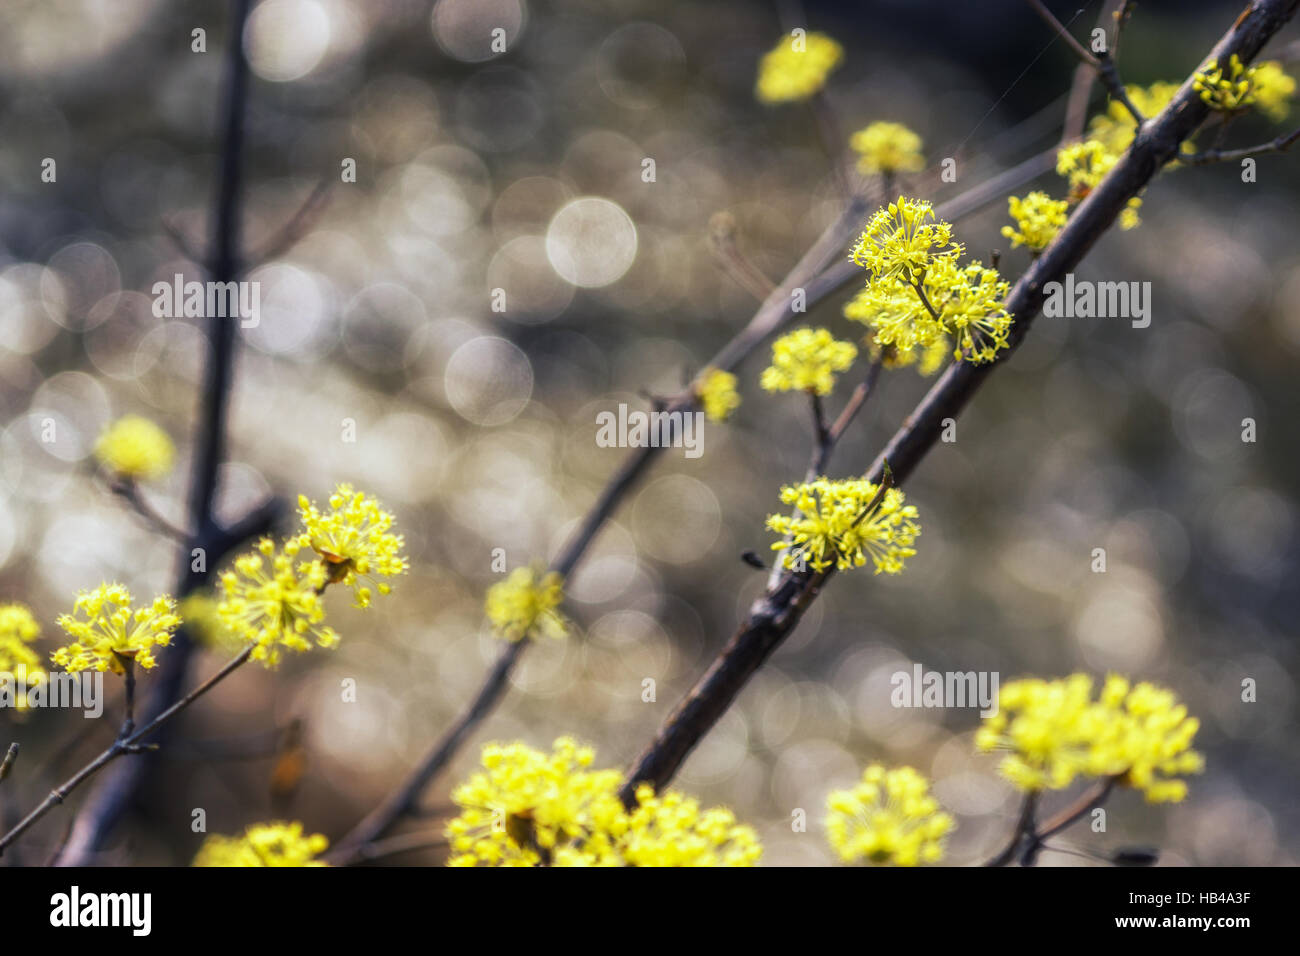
(776,614)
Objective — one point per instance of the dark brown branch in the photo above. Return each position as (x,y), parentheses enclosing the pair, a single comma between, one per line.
(777,613)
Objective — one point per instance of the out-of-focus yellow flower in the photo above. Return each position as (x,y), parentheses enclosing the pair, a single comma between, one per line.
(269,601)
(1116,128)
(1055,732)
(529,808)
(903,240)
(354,539)
(797,67)
(887,148)
(1234,87)
(1038,219)
(716,391)
(264,844)
(105,629)
(18,629)
(135,447)
(888,818)
(526,604)
(1273,90)
(672,830)
(834,527)
(1084,165)
(807,360)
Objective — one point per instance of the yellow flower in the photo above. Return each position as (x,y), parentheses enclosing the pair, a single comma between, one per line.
(888,818)
(1055,732)
(1116,128)
(528,808)
(834,527)
(1226,89)
(672,830)
(353,539)
(716,391)
(904,240)
(807,360)
(112,630)
(135,447)
(945,303)
(887,148)
(1038,219)
(1273,90)
(1084,165)
(17,630)
(270,602)
(525,605)
(797,67)
(264,844)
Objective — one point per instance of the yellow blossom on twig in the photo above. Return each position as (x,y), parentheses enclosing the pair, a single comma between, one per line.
(526,604)
(135,447)
(106,629)
(844,523)
(888,818)
(887,148)
(264,844)
(1054,732)
(716,391)
(807,360)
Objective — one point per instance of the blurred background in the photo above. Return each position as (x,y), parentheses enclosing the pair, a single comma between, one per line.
(522,171)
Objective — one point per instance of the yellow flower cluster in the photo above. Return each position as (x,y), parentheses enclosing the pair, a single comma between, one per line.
(807,360)
(950,304)
(525,605)
(797,67)
(272,601)
(18,629)
(716,391)
(904,240)
(888,818)
(1055,732)
(672,830)
(1084,165)
(108,630)
(1234,87)
(887,148)
(1116,128)
(135,447)
(354,539)
(1038,219)
(833,526)
(919,297)
(264,844)
(529,808)
(1273,90)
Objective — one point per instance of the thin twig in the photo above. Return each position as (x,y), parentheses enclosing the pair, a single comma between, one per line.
(123,745)
(1279,145)
(130,492)
(7,764)
(1024,826)
(1103,63)
(296,227)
